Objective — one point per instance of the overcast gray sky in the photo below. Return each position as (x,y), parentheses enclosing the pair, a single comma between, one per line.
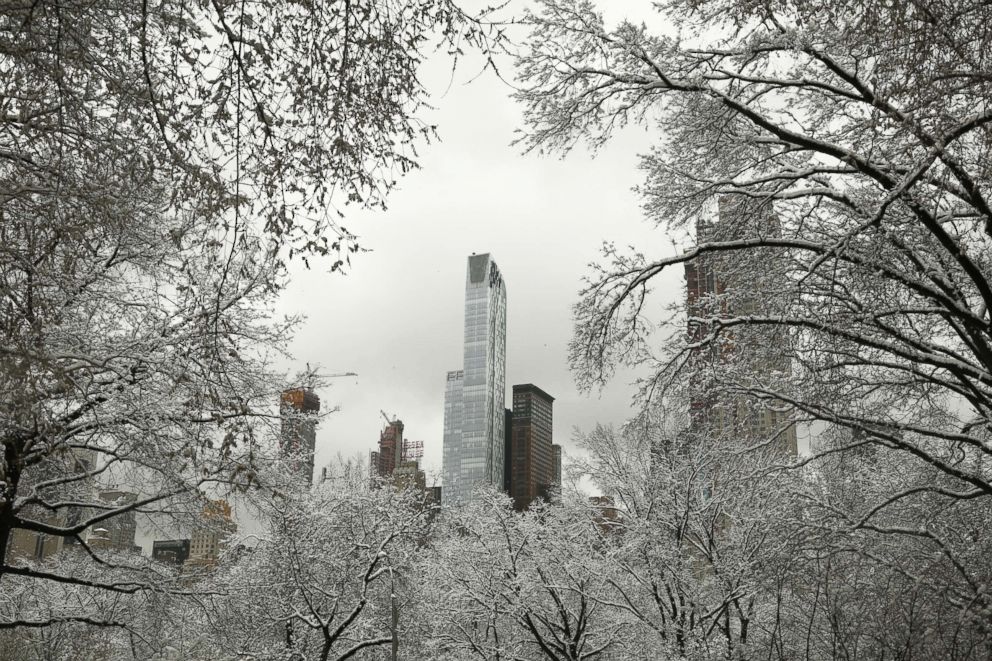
(396,318)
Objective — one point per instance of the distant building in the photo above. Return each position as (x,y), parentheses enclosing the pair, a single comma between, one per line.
(117,532)
(29,545)
(85,462)
(390,452)
(171,551)
(532,465)
(737,283)
(556,463)
(409,476)
(474,437)
(452,441)
(210,534)
(397,459)
(298,409)
(605,514)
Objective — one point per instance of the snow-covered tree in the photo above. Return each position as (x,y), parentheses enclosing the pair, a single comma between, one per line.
(700,535)
(507,585)
(159,162)
(326,580)
(862,130)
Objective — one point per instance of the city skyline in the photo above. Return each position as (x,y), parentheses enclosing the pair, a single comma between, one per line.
(394,316)
(755,273)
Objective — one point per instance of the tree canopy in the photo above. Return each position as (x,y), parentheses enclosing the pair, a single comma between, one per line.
(863,131)
(159,163)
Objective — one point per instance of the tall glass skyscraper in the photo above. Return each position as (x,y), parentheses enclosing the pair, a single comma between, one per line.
(452,446)
(474,396)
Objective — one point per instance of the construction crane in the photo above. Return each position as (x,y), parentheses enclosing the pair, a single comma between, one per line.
(388,421)
(311,376)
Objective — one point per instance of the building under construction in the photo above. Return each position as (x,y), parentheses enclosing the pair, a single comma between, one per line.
(298,409)
(397,459)
(389,456)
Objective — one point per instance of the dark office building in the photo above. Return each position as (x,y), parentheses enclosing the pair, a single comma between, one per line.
(532,465)
(507,450)
(172,551)
(556,464)
(298,408)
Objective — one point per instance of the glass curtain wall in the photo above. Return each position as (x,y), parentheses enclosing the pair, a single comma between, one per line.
(476,458)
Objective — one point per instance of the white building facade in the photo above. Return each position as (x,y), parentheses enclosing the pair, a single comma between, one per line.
(474,396)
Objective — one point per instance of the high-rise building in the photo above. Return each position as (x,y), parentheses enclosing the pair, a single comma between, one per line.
(737,283)
(210,534)
(556,463)
(298,409)
(390,453)
(80,463)
(116,533)
(452,440)
(474,436)
(532,463)
(397,460)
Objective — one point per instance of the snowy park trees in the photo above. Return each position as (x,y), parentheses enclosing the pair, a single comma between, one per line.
(159,160)
(863,129)
(522,586)
(866,146)
(327,579)
(156,156)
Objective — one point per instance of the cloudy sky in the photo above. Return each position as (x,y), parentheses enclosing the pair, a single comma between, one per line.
(396,317)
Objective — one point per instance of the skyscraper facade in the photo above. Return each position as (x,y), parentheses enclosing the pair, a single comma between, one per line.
(118,532)
(737,283)
(210,534)
(298,409)
(532,463)
(452,441)
(474,415)
(507,450)
(390,453)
